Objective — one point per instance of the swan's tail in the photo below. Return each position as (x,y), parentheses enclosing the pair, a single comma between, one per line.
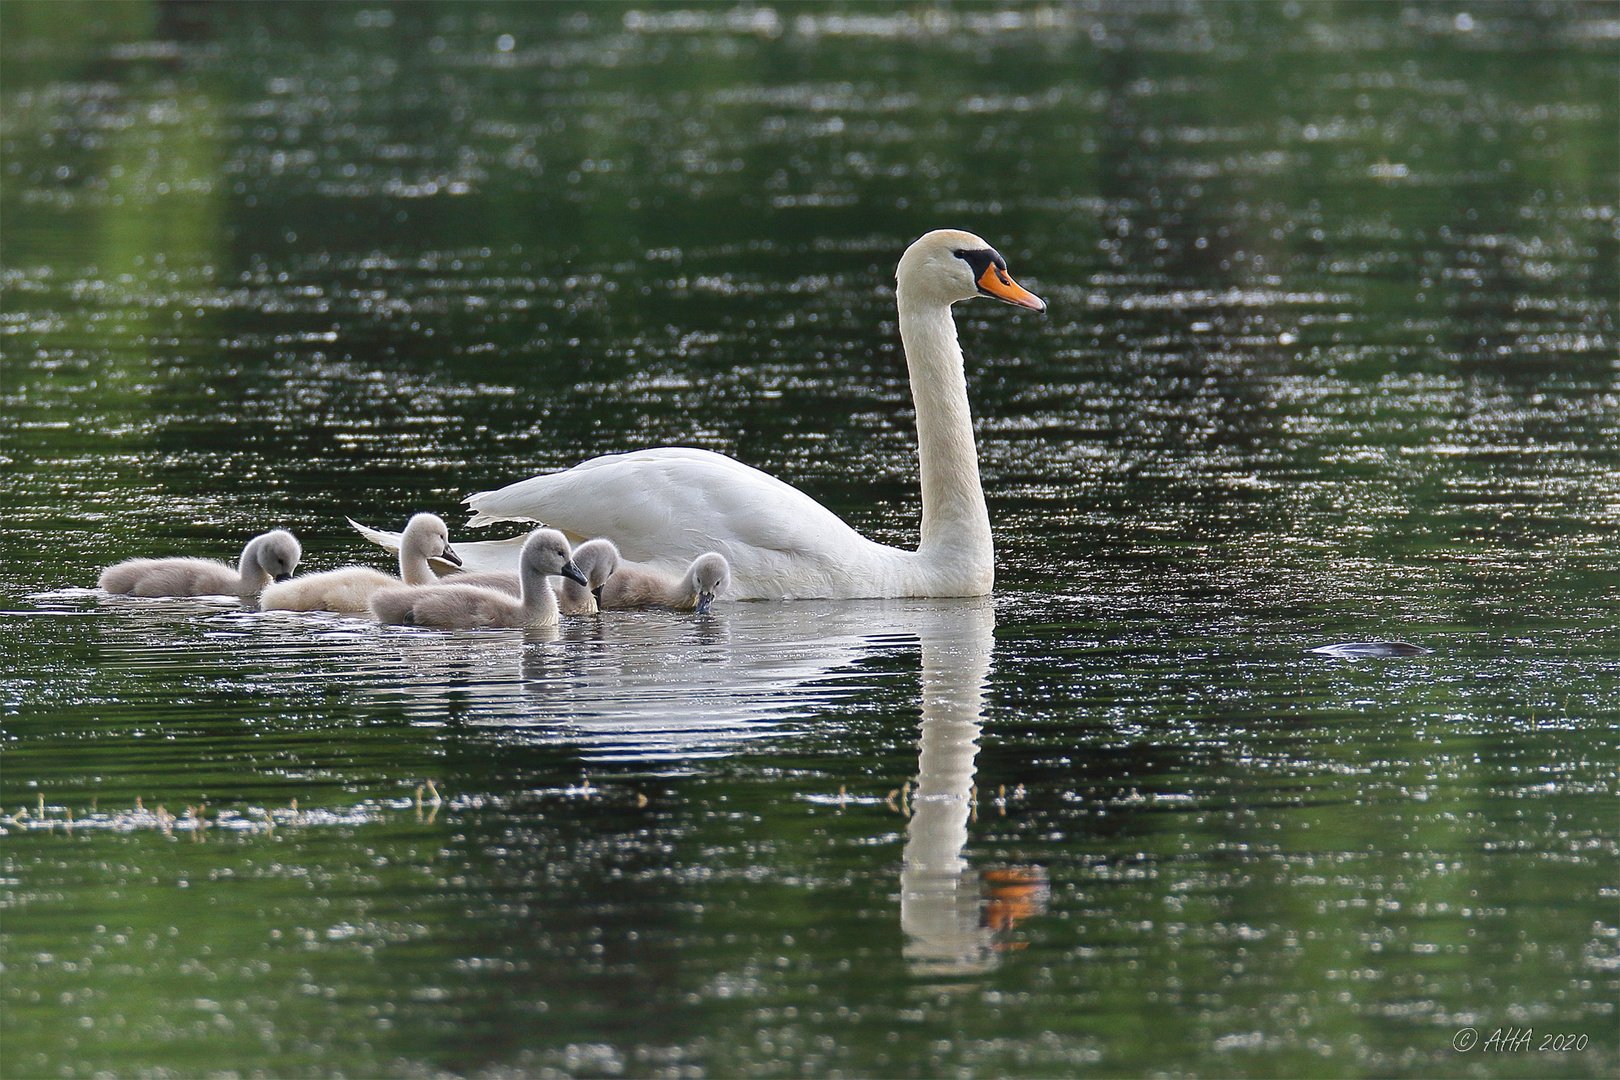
(388,541)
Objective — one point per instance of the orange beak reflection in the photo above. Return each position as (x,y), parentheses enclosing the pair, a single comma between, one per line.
(995,282)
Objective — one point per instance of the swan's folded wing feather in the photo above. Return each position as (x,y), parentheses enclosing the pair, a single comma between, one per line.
(388,541)
(666,506)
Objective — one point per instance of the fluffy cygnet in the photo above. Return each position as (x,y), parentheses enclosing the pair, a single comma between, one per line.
(467,607)
(636,586)
(348,589)
(271,556)
(597,559)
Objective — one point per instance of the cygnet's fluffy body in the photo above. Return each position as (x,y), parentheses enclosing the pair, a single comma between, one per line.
(636,586)
(269,557)
(451,606)
(596,559)
(345,590)
(348,589)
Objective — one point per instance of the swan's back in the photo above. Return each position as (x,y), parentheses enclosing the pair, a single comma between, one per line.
(664,507)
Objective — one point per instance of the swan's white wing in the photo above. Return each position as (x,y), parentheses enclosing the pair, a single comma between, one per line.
(476,555)
(388,541)
(668,505)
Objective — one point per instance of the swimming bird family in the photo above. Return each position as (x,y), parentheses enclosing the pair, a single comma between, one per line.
(677,527)
(591,576)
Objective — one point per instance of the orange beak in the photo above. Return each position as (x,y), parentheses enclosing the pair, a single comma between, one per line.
(995,282)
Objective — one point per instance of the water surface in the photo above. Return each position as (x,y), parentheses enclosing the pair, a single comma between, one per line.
(1330,358)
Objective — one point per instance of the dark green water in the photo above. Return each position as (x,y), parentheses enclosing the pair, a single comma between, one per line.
(1330,356)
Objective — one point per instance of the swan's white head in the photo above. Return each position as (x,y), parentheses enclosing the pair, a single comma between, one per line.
(276,554)
(428,536)
(710,576)
(545,553)
(948,265)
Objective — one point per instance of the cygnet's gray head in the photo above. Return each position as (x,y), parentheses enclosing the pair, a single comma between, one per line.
(545,552)
(275,554)
(428,536)
(710,576)
(599,558)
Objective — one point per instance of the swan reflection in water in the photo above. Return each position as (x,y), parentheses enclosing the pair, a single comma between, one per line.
(648,686)
(657,685)
(950,914)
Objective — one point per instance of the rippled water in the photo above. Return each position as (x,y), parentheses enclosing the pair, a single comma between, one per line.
(1330,358)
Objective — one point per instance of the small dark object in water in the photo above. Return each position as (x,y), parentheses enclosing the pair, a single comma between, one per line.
(1351,650)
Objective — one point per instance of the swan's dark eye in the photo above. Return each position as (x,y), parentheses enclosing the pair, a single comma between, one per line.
(987,266)
(980,260)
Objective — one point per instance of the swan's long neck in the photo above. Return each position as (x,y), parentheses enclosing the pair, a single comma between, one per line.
(955,521)
(251,575)
(539,600)
(414,568)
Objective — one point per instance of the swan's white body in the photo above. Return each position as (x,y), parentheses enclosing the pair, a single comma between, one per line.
(666,506)
(271,556)
(469,607)
(348,589)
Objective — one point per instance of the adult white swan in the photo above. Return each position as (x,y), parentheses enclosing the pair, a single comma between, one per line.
(666,506)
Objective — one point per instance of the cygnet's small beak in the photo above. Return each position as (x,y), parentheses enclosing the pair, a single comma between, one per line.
(704,600)
(284,577)
(450,556)
(597,592)
(995,282)
(574,573)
